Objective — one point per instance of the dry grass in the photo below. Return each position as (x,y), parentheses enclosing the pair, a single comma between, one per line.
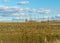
(30,32)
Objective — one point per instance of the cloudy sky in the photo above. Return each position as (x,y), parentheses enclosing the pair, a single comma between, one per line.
(19,10)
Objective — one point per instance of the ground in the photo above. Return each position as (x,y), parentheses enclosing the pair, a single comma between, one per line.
(30,32)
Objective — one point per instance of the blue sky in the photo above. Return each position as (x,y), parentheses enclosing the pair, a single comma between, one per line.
(19,10)
(53,4)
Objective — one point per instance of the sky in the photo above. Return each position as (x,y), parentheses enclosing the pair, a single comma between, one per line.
(20,10)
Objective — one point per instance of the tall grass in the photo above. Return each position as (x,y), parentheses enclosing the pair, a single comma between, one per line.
(30,32)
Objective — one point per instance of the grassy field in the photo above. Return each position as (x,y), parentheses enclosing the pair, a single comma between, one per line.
(30,32)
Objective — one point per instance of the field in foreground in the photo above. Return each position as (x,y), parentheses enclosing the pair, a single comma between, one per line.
(30,32)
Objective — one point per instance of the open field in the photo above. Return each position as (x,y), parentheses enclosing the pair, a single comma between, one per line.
(30,32)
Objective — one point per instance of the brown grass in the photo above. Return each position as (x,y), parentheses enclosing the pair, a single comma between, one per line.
(29,32)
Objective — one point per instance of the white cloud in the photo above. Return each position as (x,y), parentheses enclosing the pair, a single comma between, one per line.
(14,13)
(19,14)
(23,2)
(43,11)
(58,15)
(6,0)
(46,17)
(3,19)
